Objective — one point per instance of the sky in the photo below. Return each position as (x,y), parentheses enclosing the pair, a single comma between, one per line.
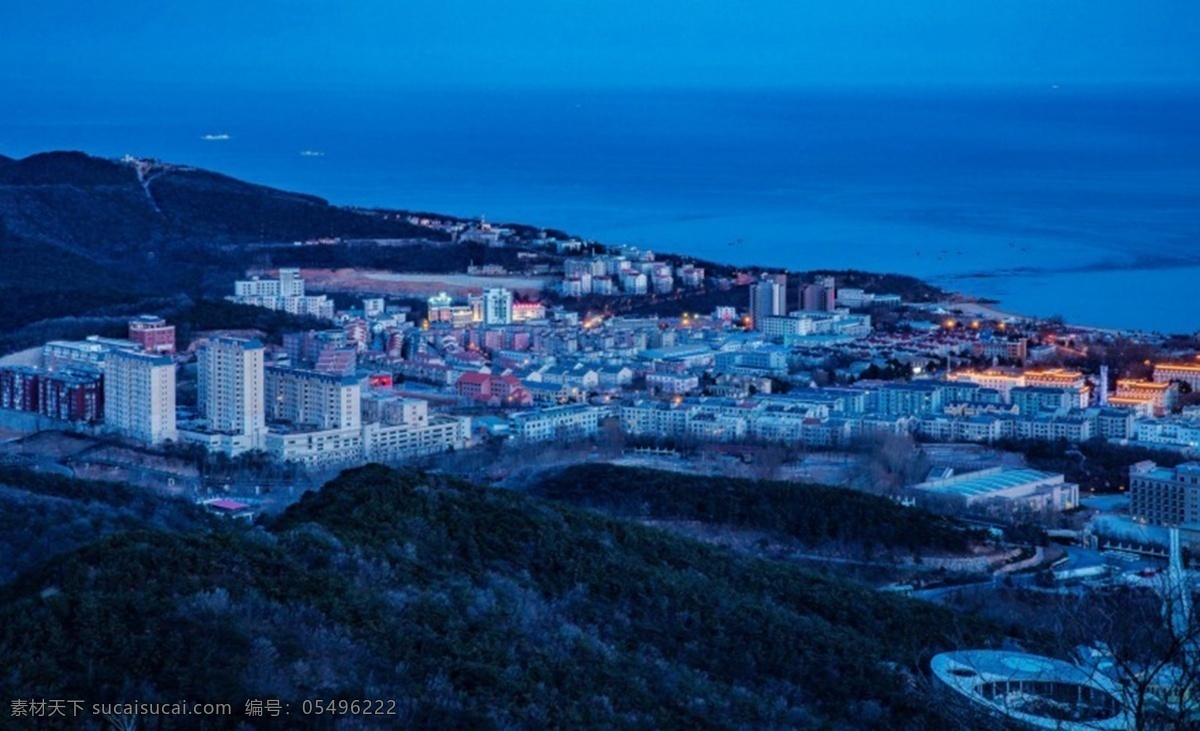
(309,44)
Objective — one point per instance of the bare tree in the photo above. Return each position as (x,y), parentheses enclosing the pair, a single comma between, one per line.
(1122,635)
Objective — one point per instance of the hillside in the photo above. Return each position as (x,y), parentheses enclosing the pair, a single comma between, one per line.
(45,515)
(815,516)
(472,608)
(78,232)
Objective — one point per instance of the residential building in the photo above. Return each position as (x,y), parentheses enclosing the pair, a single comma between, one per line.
(311,398)
(497,306)
(1165,495)
(1184,373)
(139,396)
(153,334)
(231,394)
(768,298)
(819,296)
(1161,395)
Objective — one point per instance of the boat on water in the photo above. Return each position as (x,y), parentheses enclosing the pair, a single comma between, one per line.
(215,138)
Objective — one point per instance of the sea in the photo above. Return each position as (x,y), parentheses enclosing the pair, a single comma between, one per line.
(1079,202)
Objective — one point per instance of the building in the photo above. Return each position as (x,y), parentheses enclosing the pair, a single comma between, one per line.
(74,396)
(1168,372)
(19,388)
(1036,399)
(285,293)
(1061,378)
(1003,348)
(690,275)
(497,306)
(1161,395)
(419,434)
(392,429)
(153,334)
(374,307)
(998,379)
(305,348)
(1003,490)
(311,398)
(768,298)
(820,296)
(1032,691)
(87,355)
(1164,495)
(1170,431)
(668,383)
(560,423)
(231,396)
(525,311)
(139,396)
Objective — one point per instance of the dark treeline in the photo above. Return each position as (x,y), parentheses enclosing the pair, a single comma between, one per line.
(1094,465)
(814,515)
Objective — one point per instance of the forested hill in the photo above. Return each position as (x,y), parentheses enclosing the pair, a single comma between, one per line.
(79,231)
(471,608)
(109,209)
(817,516)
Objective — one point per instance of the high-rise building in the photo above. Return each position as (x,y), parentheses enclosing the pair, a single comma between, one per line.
(497,306)
(153,334)
(139,396)
(230,385)
(820,296)
(290,283)
(768,298)
(311,398)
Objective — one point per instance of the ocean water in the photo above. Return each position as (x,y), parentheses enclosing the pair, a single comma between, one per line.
(1079,202)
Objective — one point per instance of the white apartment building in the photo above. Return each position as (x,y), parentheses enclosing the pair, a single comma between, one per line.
(285,293)
(564,423)
(497,306)
(139,396)
(231,396)
(320,400)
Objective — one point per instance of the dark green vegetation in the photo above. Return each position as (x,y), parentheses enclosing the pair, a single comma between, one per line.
(189,317)
(472,608)
(813,515)
(78,232)
(434,258)
(43,515)
(1096,465)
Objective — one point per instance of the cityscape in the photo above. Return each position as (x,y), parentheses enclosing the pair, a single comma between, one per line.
(780,366)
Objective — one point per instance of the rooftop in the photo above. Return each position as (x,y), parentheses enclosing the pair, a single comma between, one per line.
(975,484)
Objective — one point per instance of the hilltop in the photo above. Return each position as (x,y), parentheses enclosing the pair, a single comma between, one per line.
(78,232)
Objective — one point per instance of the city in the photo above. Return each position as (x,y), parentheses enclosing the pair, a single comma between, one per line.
(622,365)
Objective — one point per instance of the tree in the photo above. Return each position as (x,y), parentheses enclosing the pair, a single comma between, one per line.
(1121,635)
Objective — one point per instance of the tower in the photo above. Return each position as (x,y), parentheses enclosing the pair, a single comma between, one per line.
(768,298)
(497,306)
(139,396)
(820,296)
(230,389)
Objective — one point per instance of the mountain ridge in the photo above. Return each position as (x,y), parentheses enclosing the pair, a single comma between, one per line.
(79,231)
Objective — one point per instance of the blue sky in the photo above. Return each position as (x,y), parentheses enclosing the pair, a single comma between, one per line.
(596,43)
